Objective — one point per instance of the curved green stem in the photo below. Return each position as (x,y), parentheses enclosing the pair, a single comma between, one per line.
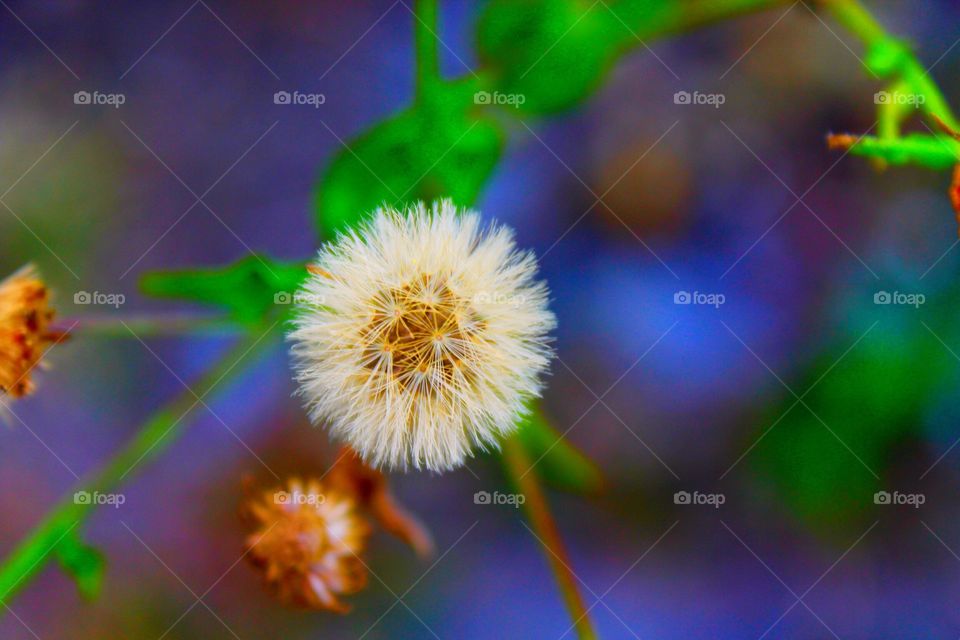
(521,470)
(425,40)
(115,326)
(890,57)
(156,434)
(856,19)
(695,14)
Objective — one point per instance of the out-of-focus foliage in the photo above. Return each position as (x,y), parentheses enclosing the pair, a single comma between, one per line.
(863,403)
(85,564)
(543,55)
(559,463)
(443,147)
(62,196)
(249,290)
(552,52)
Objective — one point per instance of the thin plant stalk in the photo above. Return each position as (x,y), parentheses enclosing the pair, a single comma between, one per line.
(425,40)
(174,324)
(521,470)
(152,439)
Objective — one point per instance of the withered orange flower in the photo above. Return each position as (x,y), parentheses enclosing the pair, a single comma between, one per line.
(25,330)
(307,542)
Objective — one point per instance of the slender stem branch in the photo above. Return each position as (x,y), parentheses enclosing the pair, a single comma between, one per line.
(856,19)
(699,13)
(901,62)
(116,326)
(425,39)
(156,434)
(519,465)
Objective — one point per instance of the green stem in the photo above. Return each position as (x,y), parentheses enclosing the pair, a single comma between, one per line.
(520,468)
(700,13)
(151,325)
(156,434)
(856,19)
(893,57)
(933,152)
(425,39)
(648,19)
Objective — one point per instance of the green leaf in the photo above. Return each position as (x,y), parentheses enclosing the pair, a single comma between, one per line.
(821,455)
(887,56)
(441,149)
(557,461)
(85,564)
(553,53)
(250,290)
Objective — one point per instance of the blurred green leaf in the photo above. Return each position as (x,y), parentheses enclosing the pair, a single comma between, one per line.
(249,290)
(887,56)
(558,462)
(443,148)
(553,53)
(820,458)
(85,564)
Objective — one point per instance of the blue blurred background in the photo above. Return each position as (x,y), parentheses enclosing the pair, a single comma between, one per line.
(694,397)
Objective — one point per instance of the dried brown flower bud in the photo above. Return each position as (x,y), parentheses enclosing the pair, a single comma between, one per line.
(25,332)
(307,543)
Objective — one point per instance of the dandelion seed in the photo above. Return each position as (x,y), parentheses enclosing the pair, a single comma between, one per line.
(307,543)
(421,337)
(25,333)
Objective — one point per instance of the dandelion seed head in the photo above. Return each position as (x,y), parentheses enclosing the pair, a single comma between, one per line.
(422,336)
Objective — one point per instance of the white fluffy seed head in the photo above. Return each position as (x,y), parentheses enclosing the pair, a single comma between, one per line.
(421,336)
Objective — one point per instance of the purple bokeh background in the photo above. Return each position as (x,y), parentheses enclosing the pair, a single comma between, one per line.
(101,203)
